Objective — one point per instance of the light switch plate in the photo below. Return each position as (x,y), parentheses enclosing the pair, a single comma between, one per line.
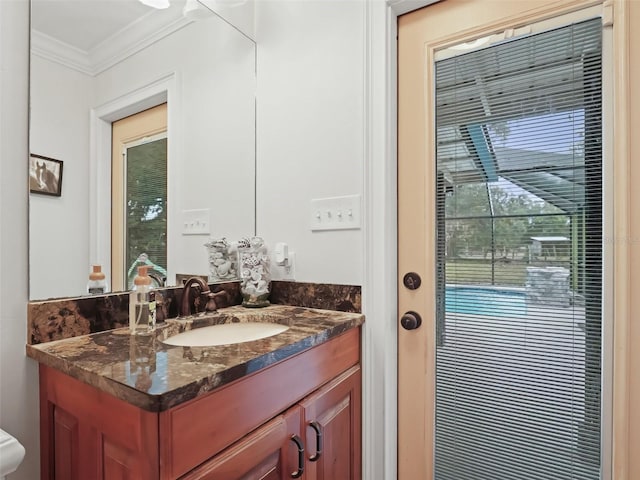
(195,222)
(335,213)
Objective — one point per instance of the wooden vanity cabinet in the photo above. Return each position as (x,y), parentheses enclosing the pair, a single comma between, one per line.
(269,453)
(88,434)
(326,424)
(332,421)
(243,430)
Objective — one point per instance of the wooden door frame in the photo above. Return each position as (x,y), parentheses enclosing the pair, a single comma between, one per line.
(379,296)
(380,232)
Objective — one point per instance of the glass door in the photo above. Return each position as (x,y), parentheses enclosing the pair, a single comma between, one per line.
(518,195)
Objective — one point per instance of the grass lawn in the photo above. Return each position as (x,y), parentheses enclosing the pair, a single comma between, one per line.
(478,272)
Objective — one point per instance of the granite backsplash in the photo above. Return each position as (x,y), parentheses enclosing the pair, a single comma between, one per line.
(56,319)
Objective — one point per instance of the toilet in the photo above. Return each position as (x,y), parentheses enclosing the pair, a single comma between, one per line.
(11,454)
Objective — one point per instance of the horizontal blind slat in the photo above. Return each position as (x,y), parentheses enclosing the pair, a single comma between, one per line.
(519,163)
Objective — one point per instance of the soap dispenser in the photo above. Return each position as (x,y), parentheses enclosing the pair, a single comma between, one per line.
(97,282)
(142,304)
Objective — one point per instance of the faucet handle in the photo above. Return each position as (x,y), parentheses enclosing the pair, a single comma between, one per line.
(210,305)
(187,300)
(214,300)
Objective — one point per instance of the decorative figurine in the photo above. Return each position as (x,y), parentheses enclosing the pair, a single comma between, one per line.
(222,261)
(254,272)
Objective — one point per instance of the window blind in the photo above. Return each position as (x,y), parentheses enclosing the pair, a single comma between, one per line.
(519,260)
(146,205)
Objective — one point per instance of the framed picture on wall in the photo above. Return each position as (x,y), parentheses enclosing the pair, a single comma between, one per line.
(45,175)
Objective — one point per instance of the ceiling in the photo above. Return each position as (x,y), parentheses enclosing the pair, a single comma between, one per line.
(85,24)
(92,35)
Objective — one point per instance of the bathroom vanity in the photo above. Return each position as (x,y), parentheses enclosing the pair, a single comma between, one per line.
(114,406)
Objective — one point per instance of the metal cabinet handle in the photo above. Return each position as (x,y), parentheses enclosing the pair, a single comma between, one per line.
(298,473)
(316,456)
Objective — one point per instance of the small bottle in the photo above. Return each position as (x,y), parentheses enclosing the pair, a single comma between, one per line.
(97,283)
(142,304)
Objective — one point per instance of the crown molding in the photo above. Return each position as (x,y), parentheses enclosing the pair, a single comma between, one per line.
(52,49)
(136,36)
(128,41)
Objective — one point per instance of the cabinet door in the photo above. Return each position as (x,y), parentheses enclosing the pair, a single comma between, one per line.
(269,453)
(332,428)
(224,416)
(88,434)
(66,438)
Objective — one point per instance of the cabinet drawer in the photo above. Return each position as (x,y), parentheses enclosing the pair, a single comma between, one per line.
(195,431)
(267,453)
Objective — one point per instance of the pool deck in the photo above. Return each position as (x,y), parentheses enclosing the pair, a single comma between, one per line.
(522,379)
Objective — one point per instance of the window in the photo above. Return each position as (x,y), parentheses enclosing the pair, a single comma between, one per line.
(519,195)
(139,196)
(146,206)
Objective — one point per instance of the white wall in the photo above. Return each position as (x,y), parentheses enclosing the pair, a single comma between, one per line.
(239,13)
(324,102)
(59,122)
(310,134)
(19,414)
(310,128)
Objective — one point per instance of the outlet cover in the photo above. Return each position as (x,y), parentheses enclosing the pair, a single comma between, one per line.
(281,272)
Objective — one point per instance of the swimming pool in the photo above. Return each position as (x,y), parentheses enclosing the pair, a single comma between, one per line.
(494,302)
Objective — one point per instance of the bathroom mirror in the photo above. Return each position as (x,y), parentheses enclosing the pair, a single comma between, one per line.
(94,62)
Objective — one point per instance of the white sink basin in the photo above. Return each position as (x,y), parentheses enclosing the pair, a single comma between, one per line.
(225,334)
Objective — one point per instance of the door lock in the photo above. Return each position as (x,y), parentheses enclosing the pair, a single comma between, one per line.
(412,280)
(411,320)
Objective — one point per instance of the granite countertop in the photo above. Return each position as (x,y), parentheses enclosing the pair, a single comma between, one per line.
(155,376)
